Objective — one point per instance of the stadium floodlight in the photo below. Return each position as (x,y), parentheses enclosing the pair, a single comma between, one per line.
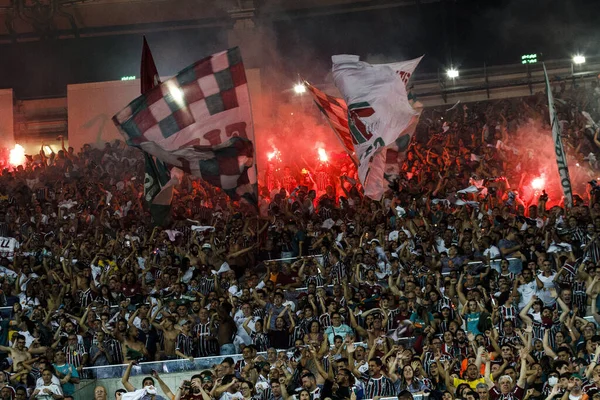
(299,88)
(578,59)
(452,73)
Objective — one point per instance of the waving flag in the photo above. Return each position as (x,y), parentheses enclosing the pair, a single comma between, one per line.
(336,112)
(561,159)
(378,153)
(199,121)
(159,182)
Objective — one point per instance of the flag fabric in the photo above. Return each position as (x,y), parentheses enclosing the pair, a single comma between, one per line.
(149,77)
(396,152)
(561,159)
(159,182)
(336,112)
(200,121)
(388,134)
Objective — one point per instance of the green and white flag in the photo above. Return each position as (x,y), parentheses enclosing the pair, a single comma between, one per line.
(561,159)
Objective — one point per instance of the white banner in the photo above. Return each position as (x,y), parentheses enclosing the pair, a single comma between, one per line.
(561,159)
(8,246)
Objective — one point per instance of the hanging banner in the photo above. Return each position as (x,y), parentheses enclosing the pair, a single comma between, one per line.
(561,158)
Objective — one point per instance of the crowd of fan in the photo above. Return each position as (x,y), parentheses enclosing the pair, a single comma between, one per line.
(472,296)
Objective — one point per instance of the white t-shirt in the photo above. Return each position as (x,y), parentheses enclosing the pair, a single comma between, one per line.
(492,251)
(40,382)
(527,291)
(46,396)
(239,319)
(544,293)
(231,396)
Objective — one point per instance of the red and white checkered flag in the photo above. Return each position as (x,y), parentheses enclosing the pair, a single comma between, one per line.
(201,122)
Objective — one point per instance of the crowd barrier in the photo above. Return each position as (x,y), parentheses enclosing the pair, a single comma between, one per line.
(181,365)
(171,371)
(162,367)
(515,265)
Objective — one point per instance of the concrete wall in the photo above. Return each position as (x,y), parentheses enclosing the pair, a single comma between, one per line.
(6,118)
(91,107)
(170,373)
(86,387)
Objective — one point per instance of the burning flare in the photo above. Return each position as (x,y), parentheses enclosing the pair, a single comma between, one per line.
(538,183)
(323,155)
(275,154)
(17,156)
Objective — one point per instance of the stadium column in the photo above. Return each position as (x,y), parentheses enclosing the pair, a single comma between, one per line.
(257,50)
(7,133)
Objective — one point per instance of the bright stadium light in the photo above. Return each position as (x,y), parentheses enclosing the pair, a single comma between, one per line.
(452,73)
(176,93)
(579,59)
(299,88)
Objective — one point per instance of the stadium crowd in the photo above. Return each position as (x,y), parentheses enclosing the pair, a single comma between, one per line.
(435,291)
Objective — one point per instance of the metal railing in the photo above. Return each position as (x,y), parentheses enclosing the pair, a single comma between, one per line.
(182,365)
(162,367)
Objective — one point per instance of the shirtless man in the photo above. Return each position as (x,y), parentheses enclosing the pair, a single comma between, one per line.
(132,348)
(226,329)
(19,353)
(170,336)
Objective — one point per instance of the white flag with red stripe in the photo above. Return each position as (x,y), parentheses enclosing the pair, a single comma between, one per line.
(379,113)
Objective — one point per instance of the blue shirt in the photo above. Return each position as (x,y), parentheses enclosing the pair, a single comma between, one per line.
(342,330)
(68,388)
(472,322)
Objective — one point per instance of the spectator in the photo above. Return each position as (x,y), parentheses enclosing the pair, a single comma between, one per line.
(67,373)
(432,282)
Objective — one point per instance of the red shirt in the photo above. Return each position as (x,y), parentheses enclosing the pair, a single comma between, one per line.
(130,290)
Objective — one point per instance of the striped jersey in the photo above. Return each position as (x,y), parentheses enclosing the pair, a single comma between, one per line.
(378,387)
(204,347)
(185,344)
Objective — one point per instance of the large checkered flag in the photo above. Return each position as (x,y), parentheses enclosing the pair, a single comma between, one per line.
(201,122)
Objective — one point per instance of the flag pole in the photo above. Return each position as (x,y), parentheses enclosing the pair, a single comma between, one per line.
(257,193)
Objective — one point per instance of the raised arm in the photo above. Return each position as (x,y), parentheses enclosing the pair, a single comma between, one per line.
(125,379)
(547,349)
(523,314)
(163,386)
(523,374)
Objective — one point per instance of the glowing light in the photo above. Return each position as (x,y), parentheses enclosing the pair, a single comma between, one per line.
(579,59)
(452,73)
(304,171)
(299,88)
(323,155)
(274,155)
(529,59)
(128,78)
(48,149)
(176,93)
(17,156)
(538,183)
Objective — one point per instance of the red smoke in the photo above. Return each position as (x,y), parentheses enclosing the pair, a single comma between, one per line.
(534,168)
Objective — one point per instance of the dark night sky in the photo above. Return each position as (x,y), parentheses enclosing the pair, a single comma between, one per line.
(466,33)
